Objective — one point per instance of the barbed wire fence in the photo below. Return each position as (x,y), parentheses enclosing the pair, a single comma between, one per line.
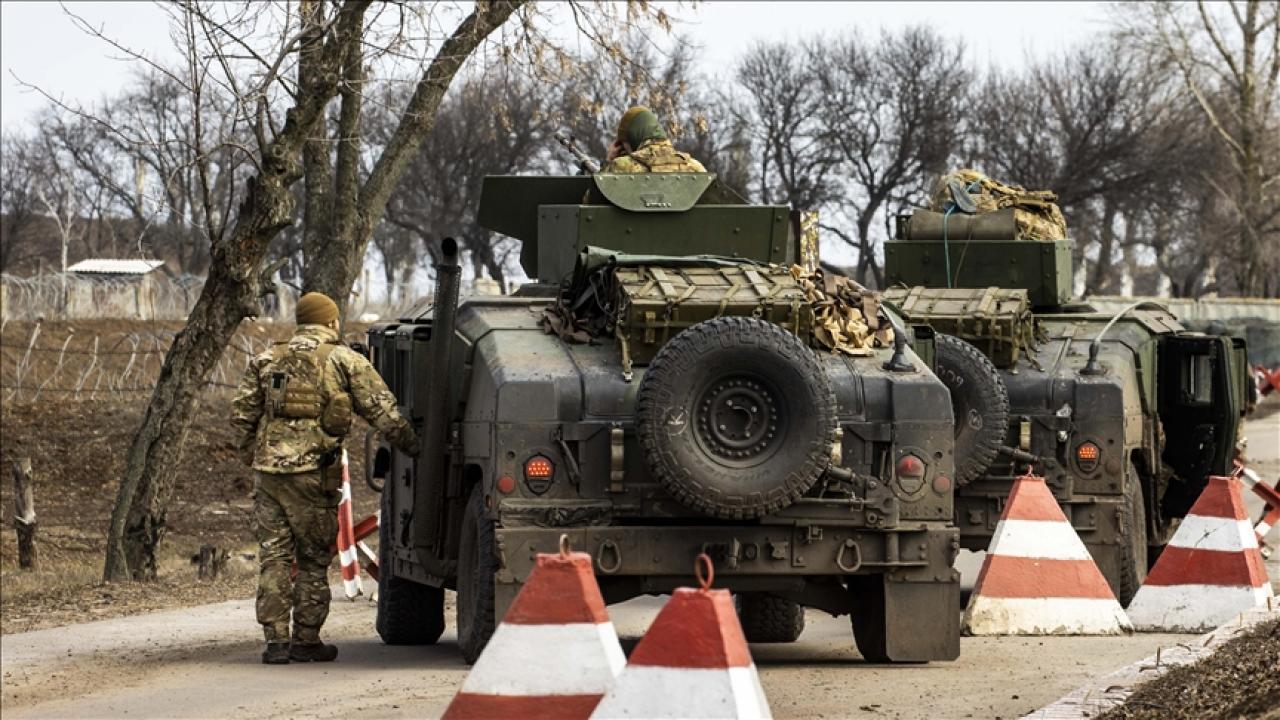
(56,360)
(155,296)
(80,337)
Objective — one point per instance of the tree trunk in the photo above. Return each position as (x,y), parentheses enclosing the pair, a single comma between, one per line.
(24,514)
(335,268)
(230,293)
(869,272)
(1100,280)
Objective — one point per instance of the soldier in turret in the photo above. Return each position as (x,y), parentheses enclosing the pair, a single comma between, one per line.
(641,146)
(292,410)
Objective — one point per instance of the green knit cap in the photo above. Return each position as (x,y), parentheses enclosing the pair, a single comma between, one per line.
(639,125)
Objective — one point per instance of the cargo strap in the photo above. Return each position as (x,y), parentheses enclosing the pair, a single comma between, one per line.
(664,282)
(759,284)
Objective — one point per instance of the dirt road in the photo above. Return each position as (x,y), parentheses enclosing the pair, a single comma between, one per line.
(202,662)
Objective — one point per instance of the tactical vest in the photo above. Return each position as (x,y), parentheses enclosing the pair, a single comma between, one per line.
(296,388)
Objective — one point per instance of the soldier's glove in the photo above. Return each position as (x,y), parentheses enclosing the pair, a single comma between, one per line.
(405,440)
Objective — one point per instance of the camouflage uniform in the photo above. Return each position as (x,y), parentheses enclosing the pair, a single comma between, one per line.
(295,500)
(657,155)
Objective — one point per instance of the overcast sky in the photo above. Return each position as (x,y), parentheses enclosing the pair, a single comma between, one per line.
(40,45)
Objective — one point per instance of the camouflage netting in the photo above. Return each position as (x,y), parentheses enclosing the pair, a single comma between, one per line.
(1035,211)
(847,316)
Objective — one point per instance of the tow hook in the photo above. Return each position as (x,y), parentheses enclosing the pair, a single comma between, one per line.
(849,548)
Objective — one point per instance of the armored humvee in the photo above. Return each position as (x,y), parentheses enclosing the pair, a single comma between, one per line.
(656,393)
(1124,414)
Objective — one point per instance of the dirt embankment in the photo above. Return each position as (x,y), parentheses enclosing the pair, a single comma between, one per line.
(78,445)
(1240,680)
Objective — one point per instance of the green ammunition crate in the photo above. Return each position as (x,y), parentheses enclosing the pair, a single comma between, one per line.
(998,321)
(655,303)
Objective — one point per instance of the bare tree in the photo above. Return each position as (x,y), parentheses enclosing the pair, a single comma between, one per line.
(1228,57)
(1098,127)
(19,209)
(893,111)
(778,100)
(348,207)
(239,242)
(280,67)
(494,123)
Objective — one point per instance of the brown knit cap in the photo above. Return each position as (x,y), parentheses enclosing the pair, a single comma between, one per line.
(315,309)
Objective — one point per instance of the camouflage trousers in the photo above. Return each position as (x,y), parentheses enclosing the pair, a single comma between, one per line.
(295,519)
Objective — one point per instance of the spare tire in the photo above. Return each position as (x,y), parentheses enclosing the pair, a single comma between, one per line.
(736,417)
(979,404)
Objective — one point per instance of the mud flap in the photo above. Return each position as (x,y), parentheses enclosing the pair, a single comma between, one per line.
(900,621)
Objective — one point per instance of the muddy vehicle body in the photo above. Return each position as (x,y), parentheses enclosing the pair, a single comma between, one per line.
(1125,414)
(699,420)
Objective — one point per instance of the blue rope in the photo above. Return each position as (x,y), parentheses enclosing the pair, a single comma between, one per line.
(946,245)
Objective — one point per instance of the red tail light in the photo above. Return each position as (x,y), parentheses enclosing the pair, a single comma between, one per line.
(910,466)
(538,467)
(1087,456)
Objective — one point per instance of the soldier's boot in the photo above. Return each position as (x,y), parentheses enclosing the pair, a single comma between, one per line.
(312,652)
(276,654)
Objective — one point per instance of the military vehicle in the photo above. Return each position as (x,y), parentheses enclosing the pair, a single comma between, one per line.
(666,396)
(1125,414)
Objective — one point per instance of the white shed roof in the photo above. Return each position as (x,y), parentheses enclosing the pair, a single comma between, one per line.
(115,267)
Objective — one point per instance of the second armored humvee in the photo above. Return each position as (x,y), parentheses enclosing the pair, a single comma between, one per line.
(659,392)
(1125,414)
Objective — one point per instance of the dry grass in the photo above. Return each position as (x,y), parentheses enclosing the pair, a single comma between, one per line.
(78,450)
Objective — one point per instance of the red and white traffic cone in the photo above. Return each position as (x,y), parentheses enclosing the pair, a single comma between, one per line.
(347,554)
(692,663)
(1270,509)
(1038,578)
(1210,571)
(555,653)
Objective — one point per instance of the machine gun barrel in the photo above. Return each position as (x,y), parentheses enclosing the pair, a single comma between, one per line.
(586,163)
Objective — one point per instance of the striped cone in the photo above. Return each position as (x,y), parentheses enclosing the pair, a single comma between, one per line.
(351,583)
(1210,571)
(692,663)
(1270,509)
(1038,578)
(554,654)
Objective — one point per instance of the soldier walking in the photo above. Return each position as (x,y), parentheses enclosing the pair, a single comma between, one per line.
(292,410)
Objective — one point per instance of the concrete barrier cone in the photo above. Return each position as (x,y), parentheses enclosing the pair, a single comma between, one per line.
(1038,578)
(692,663)
(555,653)
(1210,571)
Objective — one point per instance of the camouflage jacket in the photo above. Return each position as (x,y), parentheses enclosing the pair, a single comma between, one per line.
(654,156)
(293,445)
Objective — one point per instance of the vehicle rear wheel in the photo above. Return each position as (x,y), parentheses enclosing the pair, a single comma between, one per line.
(736,417)
(979,404)
(1133,541)
(769,619)
(409,613)
(870,631)
(477,565)
(905,622)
